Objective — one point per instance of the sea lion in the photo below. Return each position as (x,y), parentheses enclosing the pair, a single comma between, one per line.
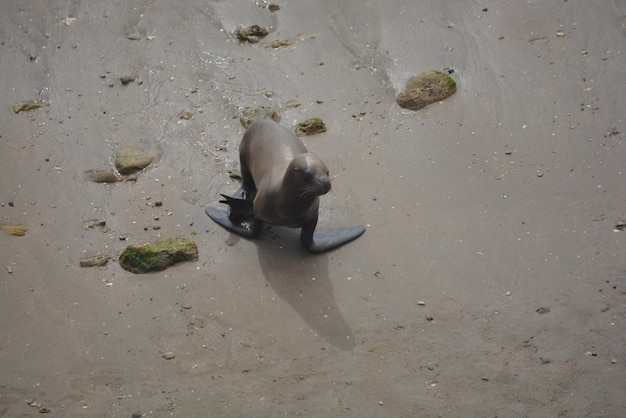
(281,186)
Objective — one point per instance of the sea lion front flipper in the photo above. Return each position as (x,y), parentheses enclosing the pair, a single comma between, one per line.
(238,207)
(246,227)
(327,240)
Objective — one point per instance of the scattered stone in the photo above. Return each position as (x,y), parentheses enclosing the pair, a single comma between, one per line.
(168,355)
(273,7)
(25,106)
(96,260)
(560,34)
(158,203)
(9,268)
(143,258)
(40,408)
(251,34)
(310,127)
(93,223)
(126,79)
(619,226)
(130,160)
(252,114)
(17,230)
(101,176)
(543,310)
(257,30)
(426,88)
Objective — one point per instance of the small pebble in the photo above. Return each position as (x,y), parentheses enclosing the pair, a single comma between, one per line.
(168,355)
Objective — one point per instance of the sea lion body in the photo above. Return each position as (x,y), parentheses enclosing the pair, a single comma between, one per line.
(281,185)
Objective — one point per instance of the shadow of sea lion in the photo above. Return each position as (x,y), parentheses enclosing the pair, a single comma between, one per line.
(301,279)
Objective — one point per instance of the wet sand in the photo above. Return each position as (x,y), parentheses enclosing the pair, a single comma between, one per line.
(491,280)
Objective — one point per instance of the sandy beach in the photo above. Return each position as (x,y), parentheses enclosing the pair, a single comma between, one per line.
(491,280)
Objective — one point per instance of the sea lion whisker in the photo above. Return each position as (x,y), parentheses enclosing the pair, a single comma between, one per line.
(307,191)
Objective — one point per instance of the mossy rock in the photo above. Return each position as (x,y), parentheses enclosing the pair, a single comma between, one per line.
(25,106)
(426,88)
(144,258)
(252,114)
(310,127)
(130,160)
(17,230)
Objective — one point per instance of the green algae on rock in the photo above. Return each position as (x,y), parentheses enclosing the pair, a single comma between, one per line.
(185,114)
(143,258)
(310,127)
(426,88)
(130,160)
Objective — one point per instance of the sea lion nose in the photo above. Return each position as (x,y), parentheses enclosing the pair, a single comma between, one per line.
(325,184)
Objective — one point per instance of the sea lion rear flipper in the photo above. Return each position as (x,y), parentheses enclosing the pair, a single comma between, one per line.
(247,227)
(328,240)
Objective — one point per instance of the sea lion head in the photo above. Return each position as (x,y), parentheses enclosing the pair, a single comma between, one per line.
(309,175)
